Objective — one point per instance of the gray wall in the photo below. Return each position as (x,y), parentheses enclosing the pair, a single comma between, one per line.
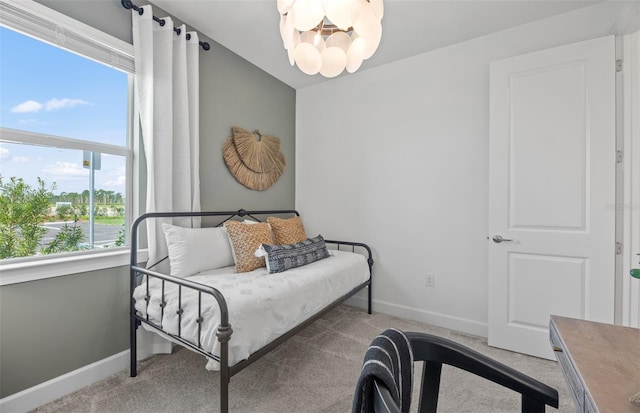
(237,93)
(54,326)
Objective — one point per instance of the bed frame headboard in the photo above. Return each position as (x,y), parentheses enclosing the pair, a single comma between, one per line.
(228,215)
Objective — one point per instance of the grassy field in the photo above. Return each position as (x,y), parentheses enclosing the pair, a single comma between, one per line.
(107,220)
(98,219)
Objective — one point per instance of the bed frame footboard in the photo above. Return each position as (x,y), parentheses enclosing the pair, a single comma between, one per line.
(224,330)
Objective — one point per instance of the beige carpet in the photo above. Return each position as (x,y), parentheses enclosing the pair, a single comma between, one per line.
(315,371)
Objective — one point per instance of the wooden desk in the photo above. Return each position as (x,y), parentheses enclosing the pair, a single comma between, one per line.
(601,363)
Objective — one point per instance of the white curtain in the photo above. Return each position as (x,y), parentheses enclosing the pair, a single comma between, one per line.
(167,93)
(167,96)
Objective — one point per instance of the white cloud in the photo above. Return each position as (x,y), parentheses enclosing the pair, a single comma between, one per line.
(54,103)
(31,106)
(26,107)
(65,170)
(30,121)
(19,159)
(4,154)
(119,182)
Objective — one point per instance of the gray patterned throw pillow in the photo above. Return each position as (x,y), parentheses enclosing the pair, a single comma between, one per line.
(284,257)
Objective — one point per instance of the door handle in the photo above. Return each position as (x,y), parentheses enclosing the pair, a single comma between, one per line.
(498,239)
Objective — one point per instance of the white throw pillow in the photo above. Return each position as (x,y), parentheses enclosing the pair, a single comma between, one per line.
(192,250)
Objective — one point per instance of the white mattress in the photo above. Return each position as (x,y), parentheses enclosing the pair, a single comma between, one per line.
(262,306)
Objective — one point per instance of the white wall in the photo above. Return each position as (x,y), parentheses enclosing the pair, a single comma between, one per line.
(397,157)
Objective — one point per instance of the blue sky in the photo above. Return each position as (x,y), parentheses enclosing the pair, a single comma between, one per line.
(49,90)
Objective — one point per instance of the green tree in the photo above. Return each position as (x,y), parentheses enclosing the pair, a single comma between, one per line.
(63,211)
(84,197)
(121,237)
(69,238)
(22,210)
(109,197)
(100,196)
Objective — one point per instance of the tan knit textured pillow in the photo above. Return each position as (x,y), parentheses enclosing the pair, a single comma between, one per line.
(245,240)
(287,231)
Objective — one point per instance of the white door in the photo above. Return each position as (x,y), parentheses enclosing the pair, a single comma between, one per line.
(552,192)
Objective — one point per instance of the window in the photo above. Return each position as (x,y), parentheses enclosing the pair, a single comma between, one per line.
(65,152)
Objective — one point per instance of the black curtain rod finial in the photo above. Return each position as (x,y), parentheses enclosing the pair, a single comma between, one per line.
(158,20)
(128,4)
(204,45)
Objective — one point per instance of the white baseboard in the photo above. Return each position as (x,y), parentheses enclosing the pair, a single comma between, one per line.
(28,399)
(463,325)
(55,388)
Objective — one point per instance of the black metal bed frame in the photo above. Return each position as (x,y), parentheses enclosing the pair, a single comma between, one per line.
(224,330)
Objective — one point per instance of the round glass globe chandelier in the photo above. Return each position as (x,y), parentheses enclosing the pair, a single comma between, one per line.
(329,36)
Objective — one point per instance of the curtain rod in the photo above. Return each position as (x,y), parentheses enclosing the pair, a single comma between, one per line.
(128,4)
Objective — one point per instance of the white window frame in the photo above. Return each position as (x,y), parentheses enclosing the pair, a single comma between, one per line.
(47,25)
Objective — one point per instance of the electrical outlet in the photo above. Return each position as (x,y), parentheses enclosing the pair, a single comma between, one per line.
(430,280)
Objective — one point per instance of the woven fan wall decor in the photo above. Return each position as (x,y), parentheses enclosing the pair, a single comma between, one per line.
(254,160)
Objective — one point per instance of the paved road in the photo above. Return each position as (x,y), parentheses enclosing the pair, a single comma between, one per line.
(102,233)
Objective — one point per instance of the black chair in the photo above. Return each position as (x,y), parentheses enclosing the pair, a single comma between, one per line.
(435,351)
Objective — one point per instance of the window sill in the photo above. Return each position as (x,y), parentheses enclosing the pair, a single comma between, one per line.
(38,269)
